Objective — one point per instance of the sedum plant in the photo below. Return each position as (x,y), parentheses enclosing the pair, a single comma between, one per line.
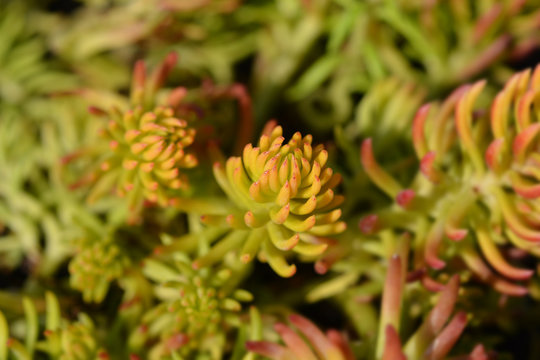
(331,345)
(322,55)
(196,310)
(95,265)
(284,200)
(433,339)
(140,222)
(144,144)
(61,339)
(494,179)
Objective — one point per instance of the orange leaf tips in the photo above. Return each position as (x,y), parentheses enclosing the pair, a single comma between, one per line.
(286,193)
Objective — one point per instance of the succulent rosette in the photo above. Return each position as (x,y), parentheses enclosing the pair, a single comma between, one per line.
(95,266)
(477,185)
(285,200)
(196,310)
(144,143)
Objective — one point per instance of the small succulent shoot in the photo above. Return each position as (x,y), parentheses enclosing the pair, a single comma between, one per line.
(437,334)
(480,190)
(196,309)
(307,342)
(285,199)
(95,266)
(391,302)
(61,339)
(440,330)
(145,144)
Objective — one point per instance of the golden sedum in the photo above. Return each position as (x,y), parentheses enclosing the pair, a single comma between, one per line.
(286,195)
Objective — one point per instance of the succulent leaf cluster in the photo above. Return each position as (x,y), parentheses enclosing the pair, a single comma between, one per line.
(61,339)
(147,144)
(136,207)
(331,345)
(438,45)
(285,197)
(196,309)
(433,339)
(495,181)
(95,266)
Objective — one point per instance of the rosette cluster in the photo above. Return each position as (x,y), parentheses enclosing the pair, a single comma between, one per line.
(146,144)
(146,153)
(285,194)
(478,184)
(195,311)
(95,266)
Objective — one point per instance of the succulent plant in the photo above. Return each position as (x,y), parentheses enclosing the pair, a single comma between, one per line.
(497,192)
(433,339)
(62,339)
(147,249)
(95,265)
(445,53)
(331,345)
(78,341)
(146,144)
(438,332)
(31,232)
(321,55)
(283,196)
(384,113)
(195,310)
